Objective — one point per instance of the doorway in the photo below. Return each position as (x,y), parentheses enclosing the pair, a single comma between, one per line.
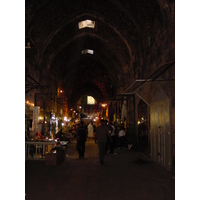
(142,125)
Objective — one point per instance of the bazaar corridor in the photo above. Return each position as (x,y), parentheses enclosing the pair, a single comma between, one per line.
(127,175)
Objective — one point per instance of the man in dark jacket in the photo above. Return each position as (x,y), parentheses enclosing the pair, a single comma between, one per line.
(101,136)
(81,139)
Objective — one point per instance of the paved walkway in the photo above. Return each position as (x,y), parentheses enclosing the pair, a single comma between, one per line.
(122,177)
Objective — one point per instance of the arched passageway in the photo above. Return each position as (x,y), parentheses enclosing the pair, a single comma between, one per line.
(112,50)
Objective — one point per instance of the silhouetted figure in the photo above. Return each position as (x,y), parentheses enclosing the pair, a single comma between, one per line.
(108,136)
(81,139)
(101,136)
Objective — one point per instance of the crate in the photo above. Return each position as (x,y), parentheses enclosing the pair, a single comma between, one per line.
(53,159)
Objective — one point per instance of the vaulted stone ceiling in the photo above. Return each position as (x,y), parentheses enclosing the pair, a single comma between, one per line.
(119,41)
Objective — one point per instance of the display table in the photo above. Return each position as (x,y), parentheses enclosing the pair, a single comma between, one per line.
(49,144)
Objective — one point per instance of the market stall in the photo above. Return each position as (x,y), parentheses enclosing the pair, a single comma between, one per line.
(45,145)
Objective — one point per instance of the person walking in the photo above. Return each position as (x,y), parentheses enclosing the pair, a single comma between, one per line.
(122,138)
(108,136)
(112,140)
(90,131)
(101,135)
(81,139)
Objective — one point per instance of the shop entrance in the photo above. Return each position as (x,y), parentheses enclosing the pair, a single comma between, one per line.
(160,137)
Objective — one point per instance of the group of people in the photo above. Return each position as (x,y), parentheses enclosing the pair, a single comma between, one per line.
(105,137)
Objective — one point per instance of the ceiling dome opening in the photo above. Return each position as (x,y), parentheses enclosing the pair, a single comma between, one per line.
(86,24)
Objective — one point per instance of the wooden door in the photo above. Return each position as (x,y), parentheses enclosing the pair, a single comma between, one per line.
(160,137)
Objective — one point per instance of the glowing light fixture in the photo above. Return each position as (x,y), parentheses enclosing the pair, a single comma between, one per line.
(31,104)
(28,45)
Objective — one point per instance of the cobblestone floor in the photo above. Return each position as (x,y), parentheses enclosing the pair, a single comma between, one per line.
(121,177)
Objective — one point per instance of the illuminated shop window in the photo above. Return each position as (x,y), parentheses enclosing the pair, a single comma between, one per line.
(90,100)
(87,51)
(86,24)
